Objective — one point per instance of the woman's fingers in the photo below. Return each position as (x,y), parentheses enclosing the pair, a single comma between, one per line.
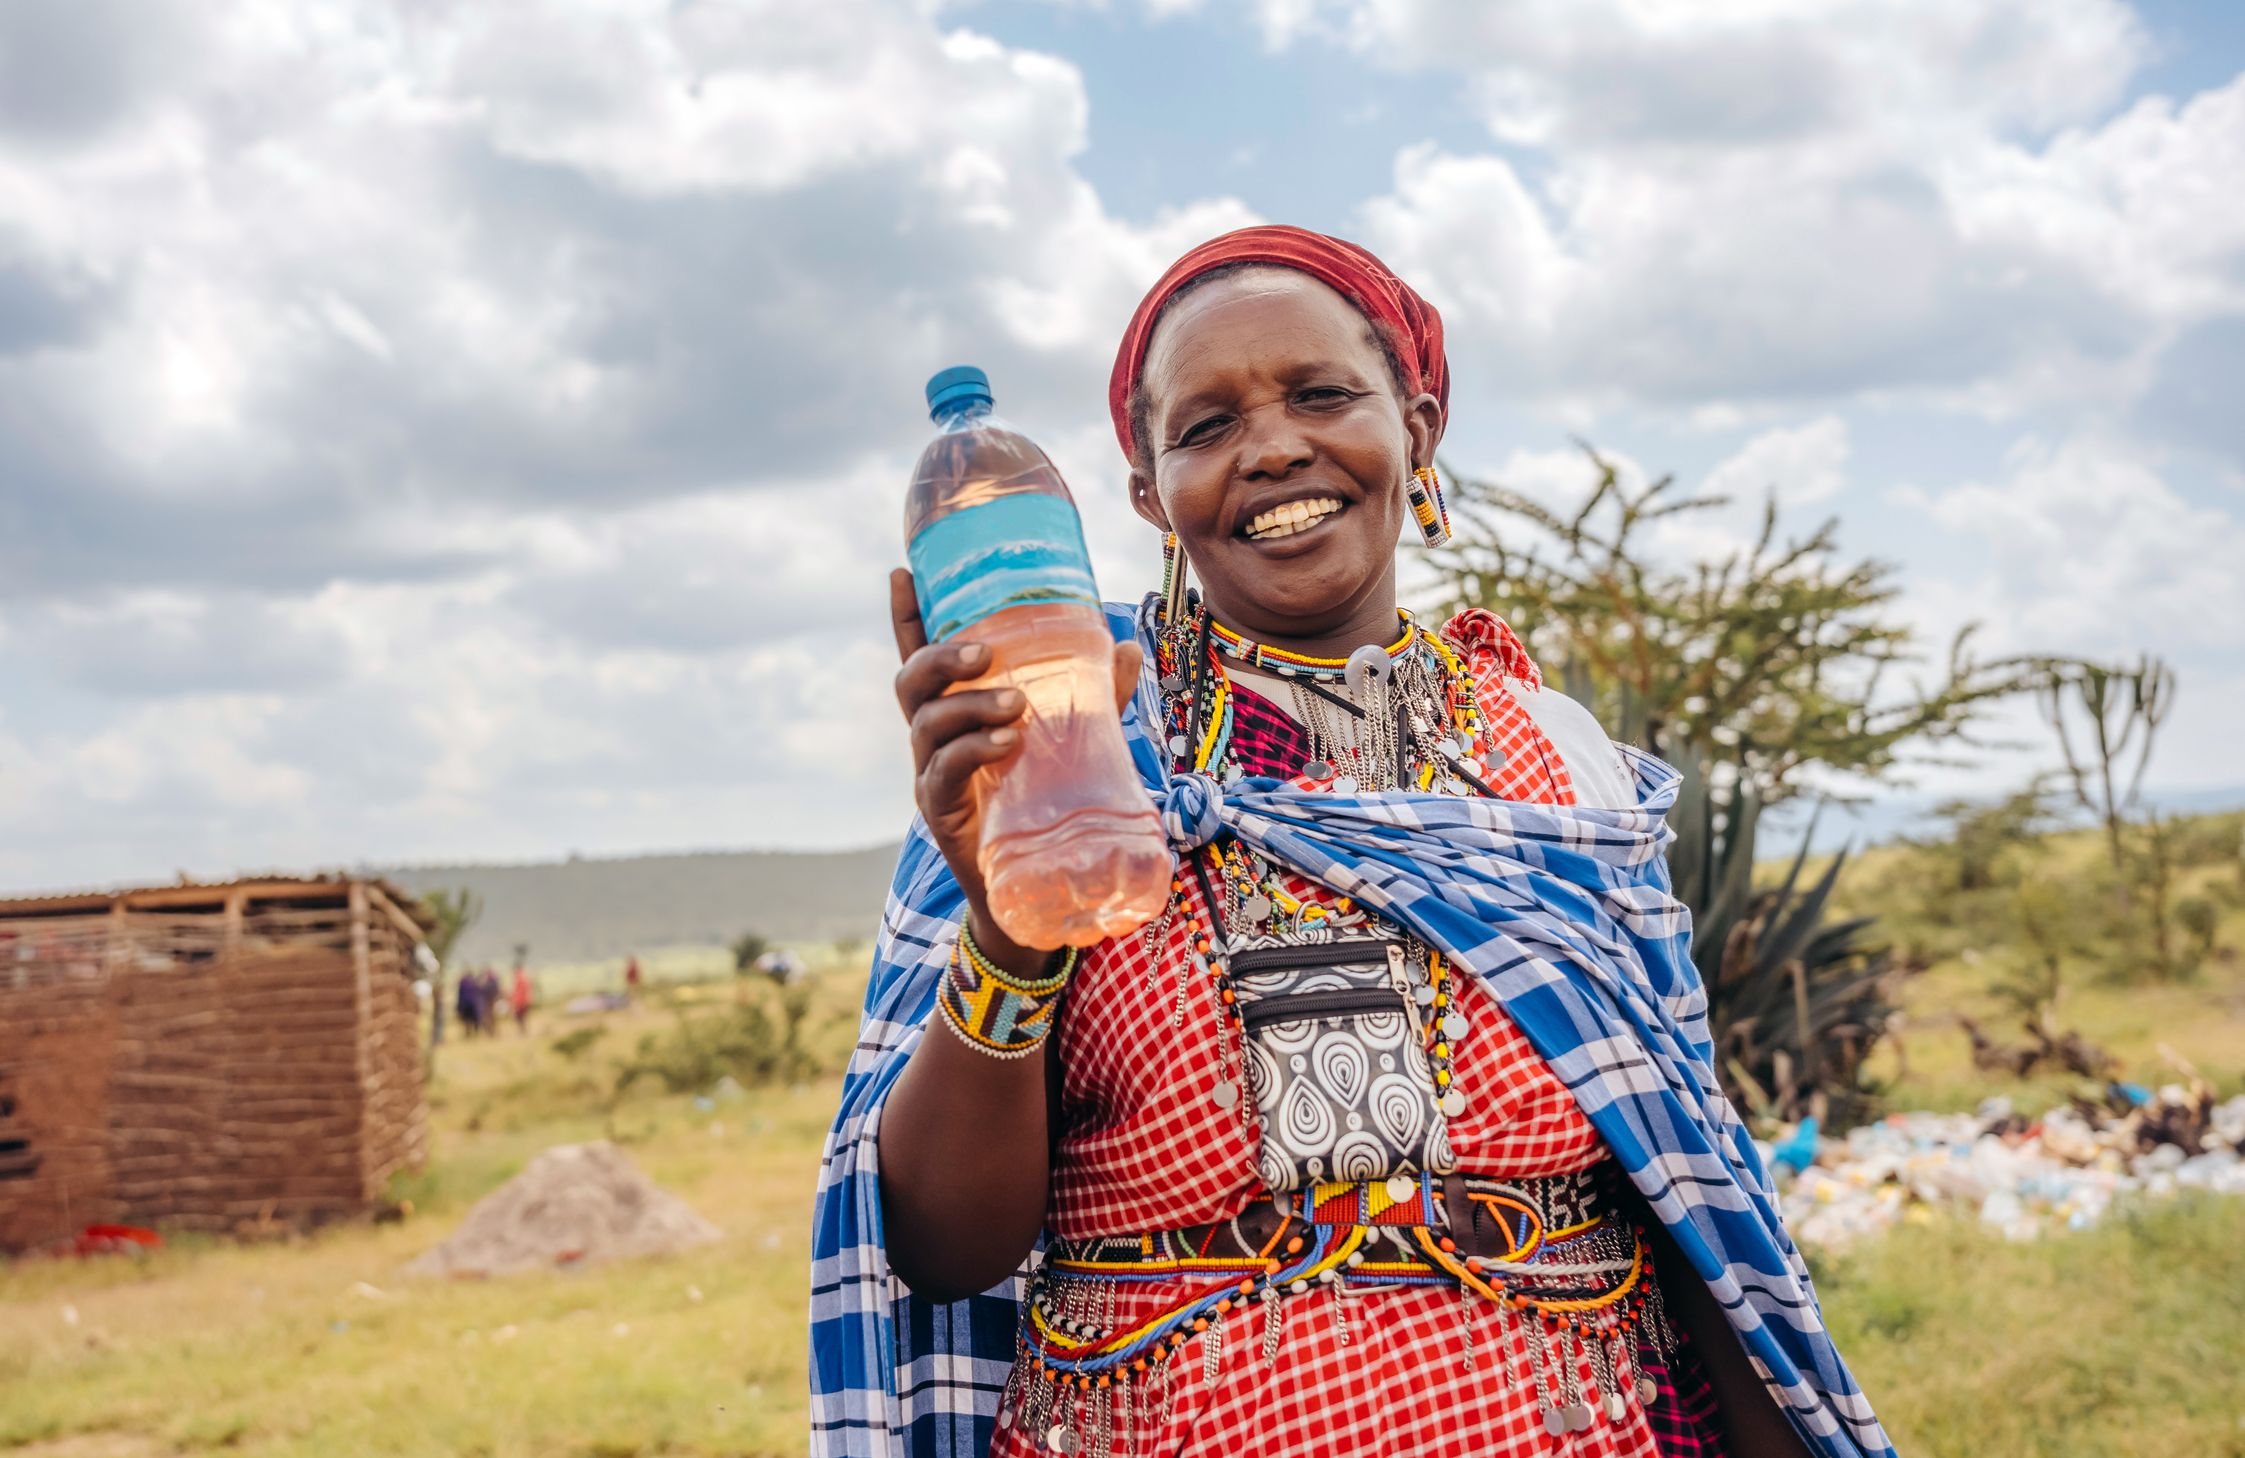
(904,614)
(941,720)
(946,783)
(934,668)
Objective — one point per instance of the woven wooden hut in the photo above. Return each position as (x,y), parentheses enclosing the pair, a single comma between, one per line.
(206,1056)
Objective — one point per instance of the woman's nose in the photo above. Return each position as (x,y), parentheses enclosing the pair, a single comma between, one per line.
(1275,444)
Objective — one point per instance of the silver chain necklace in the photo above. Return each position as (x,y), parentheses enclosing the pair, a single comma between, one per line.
(1399,717)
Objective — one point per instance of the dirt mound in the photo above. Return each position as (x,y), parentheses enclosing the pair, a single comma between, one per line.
(575,1204)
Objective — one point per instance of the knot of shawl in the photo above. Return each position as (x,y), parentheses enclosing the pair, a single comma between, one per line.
(1192,810)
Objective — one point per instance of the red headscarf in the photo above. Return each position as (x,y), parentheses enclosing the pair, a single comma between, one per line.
(1409,323)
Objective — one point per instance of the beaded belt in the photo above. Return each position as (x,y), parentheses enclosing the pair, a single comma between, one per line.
(1558,1254)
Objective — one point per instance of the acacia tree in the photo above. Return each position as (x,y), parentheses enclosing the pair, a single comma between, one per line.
(1747,671)
(1773,658)
(2121,708)
(454,912)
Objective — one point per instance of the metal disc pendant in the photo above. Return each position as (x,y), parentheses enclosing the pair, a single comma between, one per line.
(1171,683)
(1223,1095)
(1553,1423)
(1062,1439)
(1647,1390)
(1453,1103)
(1367,666)
(1317,769)
(1615,1407)
(1176,744)
(1345,785)
(1453,1026)
(1423,995)
(1257,908)
(1497,759)
(1578,1417)
(1233,774)
(1401,1188)
(1470,766)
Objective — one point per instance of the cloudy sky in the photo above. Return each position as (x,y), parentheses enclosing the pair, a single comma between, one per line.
(476,430)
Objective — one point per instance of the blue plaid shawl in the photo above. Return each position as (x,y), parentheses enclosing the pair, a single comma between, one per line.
(1565,915)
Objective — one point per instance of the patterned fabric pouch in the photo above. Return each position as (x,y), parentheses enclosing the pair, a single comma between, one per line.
(1337,1062)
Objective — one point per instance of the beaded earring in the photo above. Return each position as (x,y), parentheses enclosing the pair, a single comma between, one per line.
(1427,506)
(1172,579)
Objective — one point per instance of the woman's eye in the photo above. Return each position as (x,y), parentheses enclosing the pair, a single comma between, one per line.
(1201,430)
(1322,395)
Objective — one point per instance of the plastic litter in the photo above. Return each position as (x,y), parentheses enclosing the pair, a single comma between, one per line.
(2024,1177)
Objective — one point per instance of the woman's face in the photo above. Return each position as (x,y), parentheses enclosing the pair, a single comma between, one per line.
(1277,448)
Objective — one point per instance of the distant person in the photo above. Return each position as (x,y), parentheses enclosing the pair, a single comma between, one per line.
(464,1002)
(782,966)
(487,1001)
(631,977)
(518,997)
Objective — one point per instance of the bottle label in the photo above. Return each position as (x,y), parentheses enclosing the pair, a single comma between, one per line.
(1005,553)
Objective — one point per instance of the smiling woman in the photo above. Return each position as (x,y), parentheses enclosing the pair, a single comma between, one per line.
(1397,1130)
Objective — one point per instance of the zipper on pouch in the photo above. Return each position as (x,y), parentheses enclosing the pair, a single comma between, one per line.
(1355,952)
(1339,1002)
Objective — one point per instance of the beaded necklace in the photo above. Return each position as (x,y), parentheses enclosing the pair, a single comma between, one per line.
(1419,718)
(1438,718)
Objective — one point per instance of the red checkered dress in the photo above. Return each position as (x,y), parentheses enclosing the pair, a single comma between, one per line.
(1145,1148)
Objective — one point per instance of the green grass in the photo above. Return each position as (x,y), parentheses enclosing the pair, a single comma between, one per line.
(2159,1031)
(658,966)
(2120,1342)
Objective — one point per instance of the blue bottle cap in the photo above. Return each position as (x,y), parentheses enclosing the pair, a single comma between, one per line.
(955,389)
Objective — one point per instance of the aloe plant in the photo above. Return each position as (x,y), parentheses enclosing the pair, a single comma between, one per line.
(1795,1001)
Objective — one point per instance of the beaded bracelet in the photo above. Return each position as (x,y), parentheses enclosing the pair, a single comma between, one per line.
(992,972)
(961,1020)
(993,1014)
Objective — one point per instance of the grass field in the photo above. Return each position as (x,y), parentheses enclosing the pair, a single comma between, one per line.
(2125,1341)
(2159,1031)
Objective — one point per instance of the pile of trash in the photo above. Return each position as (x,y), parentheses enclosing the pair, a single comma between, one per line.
(2061,1170)
(576,1204)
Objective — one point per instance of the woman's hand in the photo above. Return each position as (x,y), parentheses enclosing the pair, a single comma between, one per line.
(957,730)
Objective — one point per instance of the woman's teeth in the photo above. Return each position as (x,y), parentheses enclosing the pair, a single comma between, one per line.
(1294,516)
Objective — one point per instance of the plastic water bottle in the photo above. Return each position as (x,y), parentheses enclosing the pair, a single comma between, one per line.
(1071,852)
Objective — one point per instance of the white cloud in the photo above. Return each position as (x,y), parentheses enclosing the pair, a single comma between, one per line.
(2147,203)
(2084,548)
(1799,465)
(483,429)
(440,430)
(1753,203)
(1730,72)
(364,259)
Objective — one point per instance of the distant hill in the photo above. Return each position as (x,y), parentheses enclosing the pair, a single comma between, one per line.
(586,909)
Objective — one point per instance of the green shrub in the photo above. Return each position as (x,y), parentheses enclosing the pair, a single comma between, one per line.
(572,1046)
(2200,919)
(756,1039)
